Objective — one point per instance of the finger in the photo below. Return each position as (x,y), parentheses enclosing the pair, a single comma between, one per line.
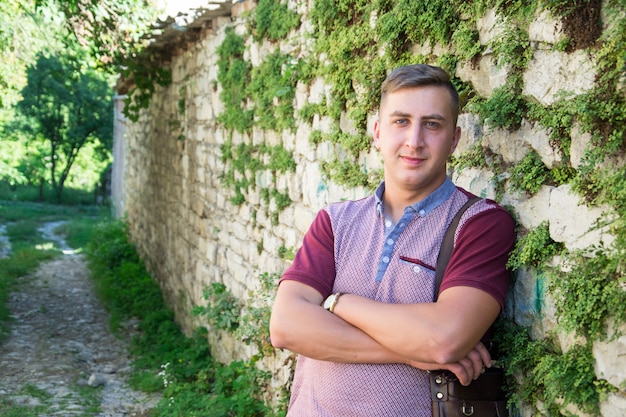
(460,372)
(476,363)
(469,369)
(484,354)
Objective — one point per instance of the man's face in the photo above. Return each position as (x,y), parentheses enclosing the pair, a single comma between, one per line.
(416,134)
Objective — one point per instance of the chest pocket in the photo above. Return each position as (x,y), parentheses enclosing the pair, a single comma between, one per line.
(408,280)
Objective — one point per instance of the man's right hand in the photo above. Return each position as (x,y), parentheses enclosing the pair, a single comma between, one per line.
(467,369)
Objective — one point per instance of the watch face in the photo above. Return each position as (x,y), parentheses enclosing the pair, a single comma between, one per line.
(329,301)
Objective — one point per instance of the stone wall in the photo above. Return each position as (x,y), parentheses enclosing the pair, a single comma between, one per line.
(190,235)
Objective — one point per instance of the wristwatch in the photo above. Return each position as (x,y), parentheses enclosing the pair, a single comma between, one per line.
(331,301)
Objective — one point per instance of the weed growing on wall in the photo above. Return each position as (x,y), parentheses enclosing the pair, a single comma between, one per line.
(534,249)
(272,20)
(222,310)
(254,324)
(261,96)
(551,378)
(233,75)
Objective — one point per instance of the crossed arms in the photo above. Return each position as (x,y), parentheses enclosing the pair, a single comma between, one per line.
(427,336)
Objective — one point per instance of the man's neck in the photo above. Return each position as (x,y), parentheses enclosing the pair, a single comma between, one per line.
(395,200)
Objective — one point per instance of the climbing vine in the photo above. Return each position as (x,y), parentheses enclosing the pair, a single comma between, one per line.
(354,44)
(349,37)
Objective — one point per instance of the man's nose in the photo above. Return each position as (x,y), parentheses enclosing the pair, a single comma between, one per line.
(415,138)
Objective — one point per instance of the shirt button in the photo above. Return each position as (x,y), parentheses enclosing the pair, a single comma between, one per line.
(417,269)
(388,223)
(386,259)
(390,241)
(422,213)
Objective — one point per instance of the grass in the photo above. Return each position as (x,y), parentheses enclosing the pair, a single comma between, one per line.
(88,398)
(181,368)
(32,193)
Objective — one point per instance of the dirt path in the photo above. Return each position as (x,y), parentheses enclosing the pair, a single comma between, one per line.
(61,357)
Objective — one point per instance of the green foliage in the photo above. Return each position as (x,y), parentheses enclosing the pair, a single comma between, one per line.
(272,89)
(350,175)
(415,22)
(273,20)
(234,76)
(254,324)
(534,248)
(222,310)
(512,47)
(147,74)
(246,161)
(122,281)
(117,35)
(557,119)
(192,383)
(590,293)
(550,378)
(505,108)
(529,174)
(474,157)
(23,34)
(220,390)
(68,105)
(286,253)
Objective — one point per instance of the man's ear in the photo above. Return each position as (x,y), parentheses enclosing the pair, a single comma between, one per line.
(376,134)
(455,139)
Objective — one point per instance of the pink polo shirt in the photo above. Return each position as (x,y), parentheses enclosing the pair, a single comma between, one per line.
(352,248)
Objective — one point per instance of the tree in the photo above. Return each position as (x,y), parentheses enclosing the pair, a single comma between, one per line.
(118,34)
(24,31)
(67,104)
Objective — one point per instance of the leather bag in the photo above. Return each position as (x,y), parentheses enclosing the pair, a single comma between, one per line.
(485,396)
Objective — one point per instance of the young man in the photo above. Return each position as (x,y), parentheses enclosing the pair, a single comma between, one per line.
(357,302)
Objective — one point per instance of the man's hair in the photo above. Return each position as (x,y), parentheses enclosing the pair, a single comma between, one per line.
(420,75)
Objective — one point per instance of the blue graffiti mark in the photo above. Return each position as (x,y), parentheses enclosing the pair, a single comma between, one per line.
(321,188)
(539,292)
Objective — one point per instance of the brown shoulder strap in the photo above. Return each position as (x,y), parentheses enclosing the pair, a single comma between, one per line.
(448,244)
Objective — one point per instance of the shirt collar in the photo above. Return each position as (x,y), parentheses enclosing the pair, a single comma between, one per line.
(431,202)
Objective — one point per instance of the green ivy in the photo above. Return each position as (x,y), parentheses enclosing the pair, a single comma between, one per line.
(222,310)
(274,80)
(234,76)
(254,327)
(590,293)
(534,248)
(272,20)
(349,36)
(147,75)
(286,253)
(551,379)
(529,174)
(505,108)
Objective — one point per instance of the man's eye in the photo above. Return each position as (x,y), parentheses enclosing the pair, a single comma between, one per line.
(400,121)
(432,124)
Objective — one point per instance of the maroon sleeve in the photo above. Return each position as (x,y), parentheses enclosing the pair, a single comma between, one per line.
(481,252)
(314,263)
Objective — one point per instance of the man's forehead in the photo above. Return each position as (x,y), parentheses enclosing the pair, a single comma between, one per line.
(398,101)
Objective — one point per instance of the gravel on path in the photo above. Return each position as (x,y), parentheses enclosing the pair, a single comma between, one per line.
(61,356)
